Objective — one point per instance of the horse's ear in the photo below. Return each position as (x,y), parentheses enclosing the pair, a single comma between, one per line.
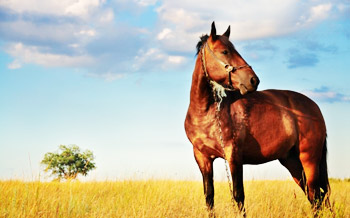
(227,33)
(213,32)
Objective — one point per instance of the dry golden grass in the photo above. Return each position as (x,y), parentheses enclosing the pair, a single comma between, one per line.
(158,198)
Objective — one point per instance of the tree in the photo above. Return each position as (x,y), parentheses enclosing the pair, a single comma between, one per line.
(69,162)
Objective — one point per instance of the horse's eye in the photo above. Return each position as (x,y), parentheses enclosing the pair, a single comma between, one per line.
(225,52)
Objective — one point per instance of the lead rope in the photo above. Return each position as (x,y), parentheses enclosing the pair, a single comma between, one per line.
(228,174)
(219,94)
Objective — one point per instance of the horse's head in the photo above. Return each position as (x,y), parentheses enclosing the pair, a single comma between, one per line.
(223,64)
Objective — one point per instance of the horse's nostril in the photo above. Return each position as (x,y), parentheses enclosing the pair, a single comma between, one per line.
(254,81)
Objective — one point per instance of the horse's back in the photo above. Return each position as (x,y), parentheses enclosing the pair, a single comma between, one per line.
(295,102)
(304,110)
(300,105)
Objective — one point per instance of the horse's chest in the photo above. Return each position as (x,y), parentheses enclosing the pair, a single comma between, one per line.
(206,135)
(202,132)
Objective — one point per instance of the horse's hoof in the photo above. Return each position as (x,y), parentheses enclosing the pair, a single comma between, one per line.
(211,214)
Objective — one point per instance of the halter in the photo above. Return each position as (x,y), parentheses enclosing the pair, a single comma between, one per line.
(229,69)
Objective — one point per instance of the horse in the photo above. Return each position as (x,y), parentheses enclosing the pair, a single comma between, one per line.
(228,118)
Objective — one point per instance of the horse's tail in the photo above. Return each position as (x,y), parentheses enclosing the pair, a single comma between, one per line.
(324,183)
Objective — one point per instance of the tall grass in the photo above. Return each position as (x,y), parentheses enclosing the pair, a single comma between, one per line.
(159,198)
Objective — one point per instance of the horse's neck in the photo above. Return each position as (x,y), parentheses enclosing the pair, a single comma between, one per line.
(201,95)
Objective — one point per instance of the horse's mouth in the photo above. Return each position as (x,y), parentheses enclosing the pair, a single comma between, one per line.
(243,89)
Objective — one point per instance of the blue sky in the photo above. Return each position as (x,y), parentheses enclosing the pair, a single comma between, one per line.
(114,77)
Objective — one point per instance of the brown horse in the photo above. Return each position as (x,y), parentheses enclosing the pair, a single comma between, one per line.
(255,128)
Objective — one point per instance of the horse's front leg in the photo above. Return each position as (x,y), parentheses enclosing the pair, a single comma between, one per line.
(236,167)
(205,164)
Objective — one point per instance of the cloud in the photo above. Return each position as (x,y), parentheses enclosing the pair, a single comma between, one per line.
(324,94)
(78,8)
(315,46)
(106,36)
(186,20)
(146,3)
(301,59)
(16,64)
(80,34)
(33,54)
(259,50)
(33,36)
(108,76)
(81,7)
(166,32)
(319,12)
(146,60)
(307,51)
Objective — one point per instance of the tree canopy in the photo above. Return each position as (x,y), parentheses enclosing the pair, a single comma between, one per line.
(69,162)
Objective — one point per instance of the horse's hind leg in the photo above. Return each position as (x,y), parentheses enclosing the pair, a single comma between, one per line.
(205,165)
(293,164)
(310,164)
(313,184)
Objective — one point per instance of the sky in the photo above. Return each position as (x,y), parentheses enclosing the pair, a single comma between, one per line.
(114,77)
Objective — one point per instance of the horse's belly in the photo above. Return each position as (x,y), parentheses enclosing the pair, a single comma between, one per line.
(257,153)
(270,138)
(263,156)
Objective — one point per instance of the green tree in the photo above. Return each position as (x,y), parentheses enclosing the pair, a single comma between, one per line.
(68,162)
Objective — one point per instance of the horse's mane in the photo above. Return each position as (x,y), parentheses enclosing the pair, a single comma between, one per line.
(202,41)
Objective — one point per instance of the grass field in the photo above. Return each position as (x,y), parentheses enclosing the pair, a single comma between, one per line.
(159,198)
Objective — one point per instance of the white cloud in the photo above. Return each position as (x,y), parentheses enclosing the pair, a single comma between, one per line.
(80,8)
(176,59)
(80,32)
(344,8)
(16,64)
(184,21)
(154,58)
(326,95)
(89,32)
(107,16)
(166,33)
(321,95)
(22,30)
(33,54)
(53,33)
(108,76)
(319,12)
(146,3)
(74,45)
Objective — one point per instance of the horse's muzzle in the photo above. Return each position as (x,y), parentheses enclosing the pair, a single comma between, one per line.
(254,81)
